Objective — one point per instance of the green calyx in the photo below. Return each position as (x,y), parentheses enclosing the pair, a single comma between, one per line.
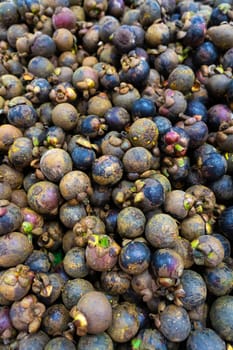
(184,54)
(211,255)
(57,258)
(178,147)
(27,227)
(35,141)
(52,140)
(104,242)
(136,343)
(195,243)
(133,189)
(199,209)
(224,7)
(180,162)
(187,204)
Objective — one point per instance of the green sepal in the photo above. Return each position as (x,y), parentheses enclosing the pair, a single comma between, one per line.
(104,242)
(27,227)
(136,343)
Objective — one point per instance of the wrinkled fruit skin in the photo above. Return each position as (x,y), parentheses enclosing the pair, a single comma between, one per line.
(175,315)
(116,174)
(221,316)
(94,310)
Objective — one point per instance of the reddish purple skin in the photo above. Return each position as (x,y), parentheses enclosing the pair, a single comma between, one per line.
(218,114)
(171,137)
(176,142)
(3,211)
(31,217)
(43,197)
(64,18)
(5,322)
(98,261)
